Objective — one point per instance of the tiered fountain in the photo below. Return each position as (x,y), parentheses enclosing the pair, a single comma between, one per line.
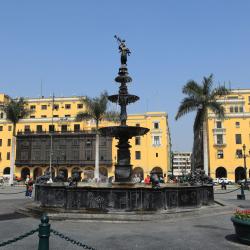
(123,168)
(122,195)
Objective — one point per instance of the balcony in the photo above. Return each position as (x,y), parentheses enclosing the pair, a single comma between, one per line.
(219,130)
(220,144)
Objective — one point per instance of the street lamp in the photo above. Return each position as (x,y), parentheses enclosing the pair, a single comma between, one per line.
(245,165)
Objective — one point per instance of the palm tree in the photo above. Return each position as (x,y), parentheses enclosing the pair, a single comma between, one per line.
(201,98)
(97,109)
(14,110)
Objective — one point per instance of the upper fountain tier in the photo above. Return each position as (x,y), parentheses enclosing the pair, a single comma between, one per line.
(126,99)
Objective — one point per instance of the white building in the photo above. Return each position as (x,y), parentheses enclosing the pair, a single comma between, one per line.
(181,163)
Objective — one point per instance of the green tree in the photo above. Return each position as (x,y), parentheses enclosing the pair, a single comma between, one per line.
(97,109)
(201,98)
(14,110)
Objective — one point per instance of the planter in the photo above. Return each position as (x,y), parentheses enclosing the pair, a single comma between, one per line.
(242,229)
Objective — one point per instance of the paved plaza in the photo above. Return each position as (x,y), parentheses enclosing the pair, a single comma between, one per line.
(211,229)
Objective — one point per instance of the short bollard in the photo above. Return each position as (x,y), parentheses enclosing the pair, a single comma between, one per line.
(241,196)
(44,233)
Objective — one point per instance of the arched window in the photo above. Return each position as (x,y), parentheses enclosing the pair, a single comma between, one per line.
(24,172)
(6,170)
(221,172)
(37,172)
(65,173)
(138,172)
(158,171)
(239,174)
(88,173)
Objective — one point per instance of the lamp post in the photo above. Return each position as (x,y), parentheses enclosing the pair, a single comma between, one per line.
(245,165)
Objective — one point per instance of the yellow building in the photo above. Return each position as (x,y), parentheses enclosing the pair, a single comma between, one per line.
(148,152)
(226,137)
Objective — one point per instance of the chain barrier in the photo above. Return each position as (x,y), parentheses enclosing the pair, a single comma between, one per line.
(74,242)
(18,238)
(229,191)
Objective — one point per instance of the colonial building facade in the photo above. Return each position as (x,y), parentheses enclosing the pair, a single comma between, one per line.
(226,138)
(52,121)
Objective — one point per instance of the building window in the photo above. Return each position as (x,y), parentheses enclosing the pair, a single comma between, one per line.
(79,105)
(237,124)
(88,155)
(1,128)
(51,128)
(156,125)
(239,153)
(231,109)
(1,115)
(156,140)
(9,128)
(56,106)
(88,143)
(9,143)
(137,140)
(236,109)
(238,139)
(218,124)
(0,156)
(249,99)
(76,127)
(33,107)
(8,155)
(220,154)
(219,139)
(137,155)
(32,116)
(27,128)
(39,128)
(43,116)
(67,106)
(44,107)
(137,124)
(241,109)
(156,155)
(1,142)
(55,116)
(67,116)
(64,128)
(102,155)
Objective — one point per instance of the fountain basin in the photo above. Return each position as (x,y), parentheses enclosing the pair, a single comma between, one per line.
(123,131)
(123,198)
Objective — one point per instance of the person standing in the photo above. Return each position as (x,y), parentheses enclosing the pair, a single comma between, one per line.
(26,185)
(30,188)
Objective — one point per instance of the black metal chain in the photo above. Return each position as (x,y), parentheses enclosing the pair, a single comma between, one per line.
(74,242)
(18,238)
(229,191)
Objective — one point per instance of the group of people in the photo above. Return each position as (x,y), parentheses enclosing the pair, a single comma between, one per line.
(29,186)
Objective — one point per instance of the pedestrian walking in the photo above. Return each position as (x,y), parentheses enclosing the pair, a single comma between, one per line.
(30,188)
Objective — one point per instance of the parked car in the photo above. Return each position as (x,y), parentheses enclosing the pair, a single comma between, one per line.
(216,181)
(226,181)
(243,181)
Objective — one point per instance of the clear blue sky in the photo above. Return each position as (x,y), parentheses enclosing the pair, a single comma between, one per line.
(69,45)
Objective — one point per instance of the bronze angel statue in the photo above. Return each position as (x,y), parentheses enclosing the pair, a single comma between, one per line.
(123,50)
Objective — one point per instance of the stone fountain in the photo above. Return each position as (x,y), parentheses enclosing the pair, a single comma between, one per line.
(123,195)
(123,168)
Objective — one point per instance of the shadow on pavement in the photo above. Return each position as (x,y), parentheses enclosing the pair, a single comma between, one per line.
(12,216)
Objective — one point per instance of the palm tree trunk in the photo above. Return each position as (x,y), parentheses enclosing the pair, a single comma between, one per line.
(12,156)
(96,174)
(205,147)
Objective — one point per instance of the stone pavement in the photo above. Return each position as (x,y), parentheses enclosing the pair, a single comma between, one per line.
(206,231)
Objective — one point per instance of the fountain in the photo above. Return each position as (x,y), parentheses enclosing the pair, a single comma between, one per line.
(123,168)
(123,194)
